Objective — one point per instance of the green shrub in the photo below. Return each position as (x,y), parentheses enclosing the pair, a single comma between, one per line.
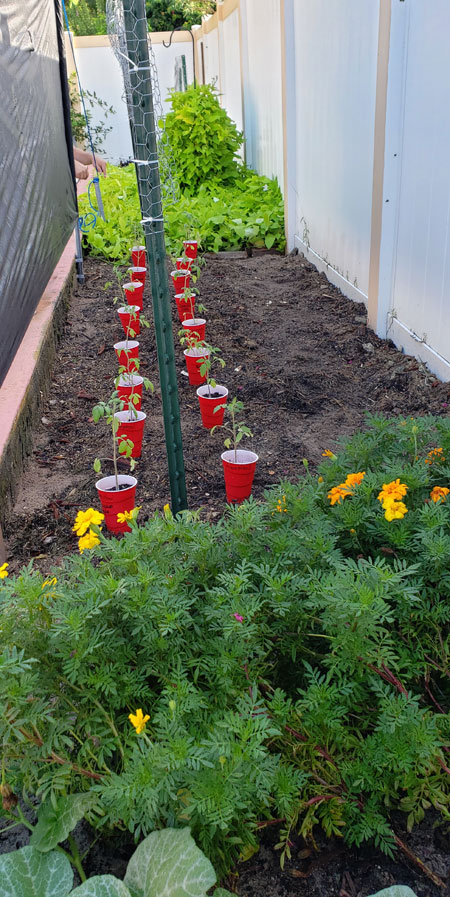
(87,16)
(293,659)
(203,138)
(163,15)
(249,214)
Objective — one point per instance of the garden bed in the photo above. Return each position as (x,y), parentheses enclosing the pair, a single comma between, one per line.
(298,354)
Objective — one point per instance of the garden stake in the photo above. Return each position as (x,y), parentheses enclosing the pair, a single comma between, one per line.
(145,151)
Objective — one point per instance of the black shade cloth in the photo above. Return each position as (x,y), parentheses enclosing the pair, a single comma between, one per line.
(37,191)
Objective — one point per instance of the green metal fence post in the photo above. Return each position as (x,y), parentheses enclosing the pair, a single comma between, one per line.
(145,150)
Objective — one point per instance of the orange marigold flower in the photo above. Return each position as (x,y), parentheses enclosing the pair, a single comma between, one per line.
(338,493)
(354,479)
(328,454)
(435,454)
(439,493)
(393,491)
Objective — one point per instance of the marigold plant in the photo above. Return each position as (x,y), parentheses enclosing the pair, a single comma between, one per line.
(294,666)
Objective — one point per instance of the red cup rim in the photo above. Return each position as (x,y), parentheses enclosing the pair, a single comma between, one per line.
(252,460)
(123,478)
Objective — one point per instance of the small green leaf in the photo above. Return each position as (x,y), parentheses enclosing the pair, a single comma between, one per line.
(102,886)
(169,864)
(29,873)
(55,822)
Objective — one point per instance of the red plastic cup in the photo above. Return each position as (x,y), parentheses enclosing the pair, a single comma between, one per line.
(181,280)
(194,359)
(238,473)
(195,326)
(138,274)
(184,264)
(134,293)
(190,248)
(138,256)
(130,385)
(184,307)
(127,354)
(211,417)
(129,318)
(131,426)
(116,502)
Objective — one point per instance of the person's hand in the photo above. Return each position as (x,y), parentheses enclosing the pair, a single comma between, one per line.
(81,171)
(101,165)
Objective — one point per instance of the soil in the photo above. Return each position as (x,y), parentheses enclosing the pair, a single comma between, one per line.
(301,357)
(298,353)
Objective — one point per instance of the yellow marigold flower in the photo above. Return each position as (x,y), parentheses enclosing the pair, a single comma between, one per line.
(352,532)
(320,480)
(354,479)
(438,493)
(166,511)
(435,454)
(396,510)
(393,491)
(328,454)
(3,571)
(85,519)
(128,515)
(138,720)
(49,582)
(90,540)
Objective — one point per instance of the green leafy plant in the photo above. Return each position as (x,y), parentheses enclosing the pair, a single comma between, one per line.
(93,103)
(222,218)
(163,15)
(87,16)
(204,139)
(290,664)
(167,862)
(107,410)
(236,429)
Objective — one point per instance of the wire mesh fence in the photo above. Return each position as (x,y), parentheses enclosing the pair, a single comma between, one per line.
(136,84)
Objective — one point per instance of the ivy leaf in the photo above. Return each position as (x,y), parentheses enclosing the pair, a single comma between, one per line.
(29,873)
(56,821)
(169,864)
(101,886)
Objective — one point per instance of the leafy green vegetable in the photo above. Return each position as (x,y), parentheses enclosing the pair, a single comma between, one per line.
(251,213)
(29,873)
(169,864)
(101,886)
(57,819)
